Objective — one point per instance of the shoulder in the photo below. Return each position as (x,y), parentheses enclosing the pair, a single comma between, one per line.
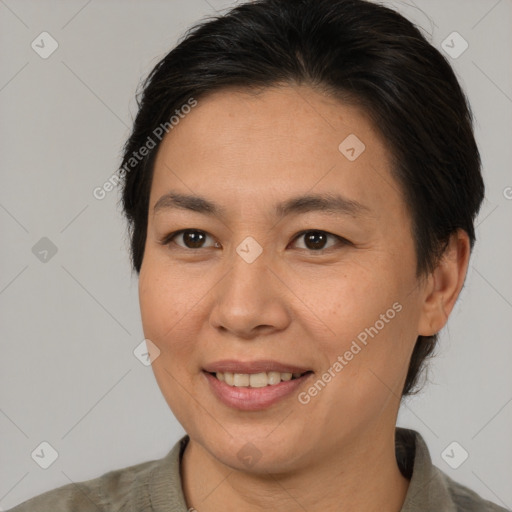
(467,500)
(111,491)
(430,488)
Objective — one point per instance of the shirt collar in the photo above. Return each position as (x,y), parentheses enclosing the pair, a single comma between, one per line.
(427,488)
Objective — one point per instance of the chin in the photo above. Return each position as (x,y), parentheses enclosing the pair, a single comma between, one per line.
(249,450)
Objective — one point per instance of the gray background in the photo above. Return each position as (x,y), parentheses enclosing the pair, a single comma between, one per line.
(69,324)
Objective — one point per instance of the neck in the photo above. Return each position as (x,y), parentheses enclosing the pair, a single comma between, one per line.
(362,476)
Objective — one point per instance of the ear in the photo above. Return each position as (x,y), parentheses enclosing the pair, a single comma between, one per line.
(444,285)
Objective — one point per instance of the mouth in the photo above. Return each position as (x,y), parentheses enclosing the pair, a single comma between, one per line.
(257,380)
(256,385)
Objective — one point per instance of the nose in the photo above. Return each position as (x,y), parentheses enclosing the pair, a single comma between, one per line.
(250,300)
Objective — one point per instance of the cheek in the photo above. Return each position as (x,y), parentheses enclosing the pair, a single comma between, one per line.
(370,315)
(355,298)
(167,310)
(167,303)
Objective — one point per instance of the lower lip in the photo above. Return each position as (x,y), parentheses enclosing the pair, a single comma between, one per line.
(253,399)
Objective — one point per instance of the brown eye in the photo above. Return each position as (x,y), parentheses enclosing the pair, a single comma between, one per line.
(315,240)
(191,239)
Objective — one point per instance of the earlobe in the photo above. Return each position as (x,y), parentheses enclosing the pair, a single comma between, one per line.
(444,285)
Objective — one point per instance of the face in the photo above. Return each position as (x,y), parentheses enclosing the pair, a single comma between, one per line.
(331,291)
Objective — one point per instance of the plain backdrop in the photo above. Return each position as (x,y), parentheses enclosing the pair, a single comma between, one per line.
(68,302)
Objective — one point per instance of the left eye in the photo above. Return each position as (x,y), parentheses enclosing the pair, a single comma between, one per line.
(193,239)
(315,238)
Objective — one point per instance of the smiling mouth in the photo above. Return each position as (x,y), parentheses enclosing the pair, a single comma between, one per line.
(256,380)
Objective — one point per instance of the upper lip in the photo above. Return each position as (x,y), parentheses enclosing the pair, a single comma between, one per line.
(259,366)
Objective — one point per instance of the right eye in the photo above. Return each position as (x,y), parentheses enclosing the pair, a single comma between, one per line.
(192,239)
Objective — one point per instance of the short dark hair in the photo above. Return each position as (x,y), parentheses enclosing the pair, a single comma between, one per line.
(360,52)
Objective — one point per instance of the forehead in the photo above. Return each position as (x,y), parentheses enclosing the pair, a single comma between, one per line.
(238,145)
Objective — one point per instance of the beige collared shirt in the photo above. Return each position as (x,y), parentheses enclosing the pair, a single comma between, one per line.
(155,486)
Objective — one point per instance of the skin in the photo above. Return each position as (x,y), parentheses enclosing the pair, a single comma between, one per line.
(293,304)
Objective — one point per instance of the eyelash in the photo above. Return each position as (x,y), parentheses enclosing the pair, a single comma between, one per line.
(168,239)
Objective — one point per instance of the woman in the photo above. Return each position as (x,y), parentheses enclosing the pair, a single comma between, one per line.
(301,226)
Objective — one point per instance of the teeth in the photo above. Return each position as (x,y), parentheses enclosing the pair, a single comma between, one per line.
(255,380)
(241,379)
(258,380)
(273,378)
(228,378)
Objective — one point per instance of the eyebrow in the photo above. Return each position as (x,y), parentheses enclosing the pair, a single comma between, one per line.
(327,203)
